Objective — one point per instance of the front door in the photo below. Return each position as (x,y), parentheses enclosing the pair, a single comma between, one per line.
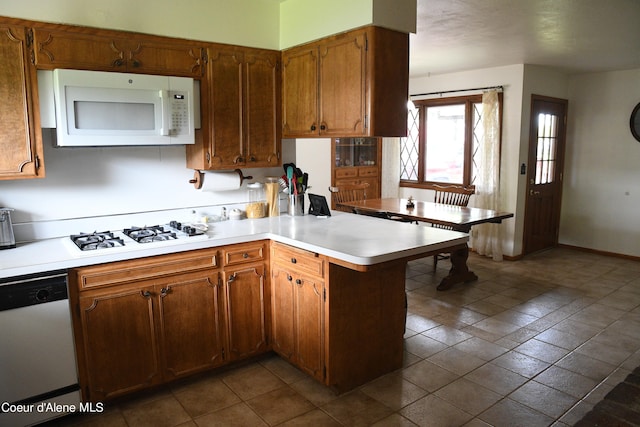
(545,165)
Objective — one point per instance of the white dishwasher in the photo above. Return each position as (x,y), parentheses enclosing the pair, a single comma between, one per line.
(38,369)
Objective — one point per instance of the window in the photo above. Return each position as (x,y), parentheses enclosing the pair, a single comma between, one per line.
(442,138)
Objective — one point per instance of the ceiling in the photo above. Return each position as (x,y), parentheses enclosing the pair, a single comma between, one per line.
(572,36)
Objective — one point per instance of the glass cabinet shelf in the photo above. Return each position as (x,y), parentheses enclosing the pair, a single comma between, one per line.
(356,152)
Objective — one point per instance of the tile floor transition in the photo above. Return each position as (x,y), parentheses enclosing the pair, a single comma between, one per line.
(534,342)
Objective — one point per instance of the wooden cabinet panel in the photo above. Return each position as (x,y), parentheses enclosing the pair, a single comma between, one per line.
(351,84)
(106,275)
(300,92)
(120,352)
(20,134)
(283,310)
(342,85)
(164,322)
(242,95)
(190,324)
(247,301)
(299,259)
(166,57)
(85,48)
(262,108)
(79,50)
(298,303)
(244,253)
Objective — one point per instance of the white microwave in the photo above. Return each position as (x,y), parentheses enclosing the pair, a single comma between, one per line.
(96,108)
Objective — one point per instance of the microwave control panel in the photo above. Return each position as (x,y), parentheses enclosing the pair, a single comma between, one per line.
(179,107)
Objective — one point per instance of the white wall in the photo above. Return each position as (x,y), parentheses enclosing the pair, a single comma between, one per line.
(511,78)
(601,193)
(253,23)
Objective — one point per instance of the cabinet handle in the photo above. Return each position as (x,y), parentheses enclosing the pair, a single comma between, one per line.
(293,260)
(253,159)
(313,127)
(145,294)
(232,278)
(118,63)
(245,255)
(298,282)
(135,63)
(323,127)
(164,291)
(289,278)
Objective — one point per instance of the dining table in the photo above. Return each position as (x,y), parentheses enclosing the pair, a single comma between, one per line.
(458,218)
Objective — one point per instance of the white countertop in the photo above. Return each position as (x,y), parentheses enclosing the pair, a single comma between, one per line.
(351,238)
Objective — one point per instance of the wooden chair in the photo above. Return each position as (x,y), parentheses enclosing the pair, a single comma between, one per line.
(348,193)
(450,195)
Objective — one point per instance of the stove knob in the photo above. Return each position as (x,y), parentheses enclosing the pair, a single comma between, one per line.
(173,224)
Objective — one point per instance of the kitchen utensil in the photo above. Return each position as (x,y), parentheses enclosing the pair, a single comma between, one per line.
(290,178)
(7,239)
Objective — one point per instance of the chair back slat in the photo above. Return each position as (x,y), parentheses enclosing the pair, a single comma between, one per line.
(348,193)
(453,194)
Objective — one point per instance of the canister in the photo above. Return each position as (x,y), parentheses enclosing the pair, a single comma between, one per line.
(256,206)
(272,190)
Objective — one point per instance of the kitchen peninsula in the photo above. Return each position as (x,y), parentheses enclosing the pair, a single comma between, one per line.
(333,300)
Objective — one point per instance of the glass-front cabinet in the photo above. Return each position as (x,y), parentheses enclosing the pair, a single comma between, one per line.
(356,161)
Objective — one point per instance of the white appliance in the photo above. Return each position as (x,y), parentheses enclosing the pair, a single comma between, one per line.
(97,108)
(37,358)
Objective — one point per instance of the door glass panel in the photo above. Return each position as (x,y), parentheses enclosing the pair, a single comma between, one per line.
(546,148)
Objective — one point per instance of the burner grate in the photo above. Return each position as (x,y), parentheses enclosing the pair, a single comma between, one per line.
(96,240)
(147,234)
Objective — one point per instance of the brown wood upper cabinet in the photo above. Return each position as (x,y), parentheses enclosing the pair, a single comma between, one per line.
(241,104)
(351,84)
(85,48)
(20,136)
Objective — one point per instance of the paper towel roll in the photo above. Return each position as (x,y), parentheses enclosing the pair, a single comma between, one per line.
(221,181)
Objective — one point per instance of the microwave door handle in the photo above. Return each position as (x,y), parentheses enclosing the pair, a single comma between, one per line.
(165,125)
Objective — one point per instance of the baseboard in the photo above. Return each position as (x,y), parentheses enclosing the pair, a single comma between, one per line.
(599,252)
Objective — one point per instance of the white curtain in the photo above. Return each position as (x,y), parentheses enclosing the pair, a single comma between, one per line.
(486,239)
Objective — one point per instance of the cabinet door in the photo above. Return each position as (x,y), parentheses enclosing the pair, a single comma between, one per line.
(300,92)
(57,48)
(343,85)
(298,320)
(309,320)
(190,323)
(283,312)
(225,119)
(20,135)
(169,58)
(119,342)
(246,298)
(262,109)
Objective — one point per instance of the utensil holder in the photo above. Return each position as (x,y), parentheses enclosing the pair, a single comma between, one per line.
(296,204)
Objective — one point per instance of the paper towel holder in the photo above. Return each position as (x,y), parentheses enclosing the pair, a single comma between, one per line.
(198,178)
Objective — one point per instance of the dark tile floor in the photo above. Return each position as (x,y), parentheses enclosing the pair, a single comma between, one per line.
(534,342)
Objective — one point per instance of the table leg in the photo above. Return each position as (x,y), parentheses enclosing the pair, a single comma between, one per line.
(459,272)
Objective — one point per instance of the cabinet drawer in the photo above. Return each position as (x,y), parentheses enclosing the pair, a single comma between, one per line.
(298,259)
(145,268)
(240,254)
(346,173)
(368,171)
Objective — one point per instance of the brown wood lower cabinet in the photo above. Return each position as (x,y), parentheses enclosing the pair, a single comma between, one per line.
(148,321)
(298,308)
(247,299)
(144,322)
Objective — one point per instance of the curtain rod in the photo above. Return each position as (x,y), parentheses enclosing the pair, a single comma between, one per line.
(459,90)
